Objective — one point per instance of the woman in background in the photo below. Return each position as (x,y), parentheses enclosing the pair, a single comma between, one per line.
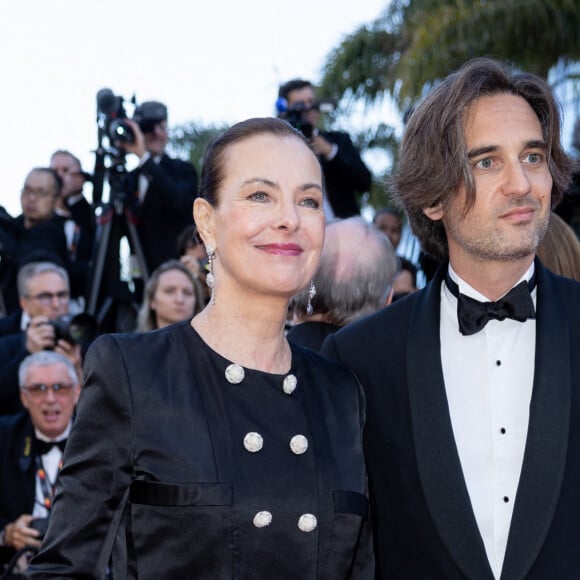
(171,295)
(559,251)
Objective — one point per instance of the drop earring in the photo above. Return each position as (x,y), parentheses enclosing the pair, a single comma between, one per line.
(210,279)
(311,295)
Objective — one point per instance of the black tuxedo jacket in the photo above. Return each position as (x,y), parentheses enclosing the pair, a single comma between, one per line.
(424,524)
(17,471)
(346,176)
(167,208)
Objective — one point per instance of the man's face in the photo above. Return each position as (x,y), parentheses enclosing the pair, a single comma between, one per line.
(156,140)
(390,225)
(70,172)
(38,197)
(307,98)
(50,411)
(508,158)
(47,295)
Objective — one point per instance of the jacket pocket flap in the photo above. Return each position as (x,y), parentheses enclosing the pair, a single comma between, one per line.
(158,493)
(350,502)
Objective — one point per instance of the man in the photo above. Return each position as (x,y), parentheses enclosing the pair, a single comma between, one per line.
(471,435)
(345,174)
(406,280)
(37,233)
(44,294)
(165,187)
(389,222)
(354,278)
(77,217)
(31,445)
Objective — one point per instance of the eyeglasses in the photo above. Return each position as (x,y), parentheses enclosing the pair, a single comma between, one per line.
(39,193)
(46,298)
(40,390)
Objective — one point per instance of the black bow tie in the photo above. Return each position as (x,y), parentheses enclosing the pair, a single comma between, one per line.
(474,315)
(43,447)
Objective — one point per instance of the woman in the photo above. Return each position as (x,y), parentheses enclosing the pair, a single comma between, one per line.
(171,295)
(559,250)
(214,449)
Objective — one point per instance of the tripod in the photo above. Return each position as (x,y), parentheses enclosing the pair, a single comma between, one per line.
(116,283)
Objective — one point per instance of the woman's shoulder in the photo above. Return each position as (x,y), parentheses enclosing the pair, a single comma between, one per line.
(321,367)
(142,342)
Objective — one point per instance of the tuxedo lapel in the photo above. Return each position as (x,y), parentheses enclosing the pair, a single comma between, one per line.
(24,458)
(437,458)
(547,442)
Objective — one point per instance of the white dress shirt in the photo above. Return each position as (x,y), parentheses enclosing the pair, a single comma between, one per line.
(488,381)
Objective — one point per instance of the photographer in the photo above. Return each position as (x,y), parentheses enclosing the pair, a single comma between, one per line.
(346,176)
(31,445)
(77,218)
(44,293)
(165,187)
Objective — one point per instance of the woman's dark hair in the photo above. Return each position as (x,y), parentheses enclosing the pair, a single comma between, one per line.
(212,173)
(433,162)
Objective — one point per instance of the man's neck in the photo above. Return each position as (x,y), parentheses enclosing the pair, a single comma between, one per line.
(492,279)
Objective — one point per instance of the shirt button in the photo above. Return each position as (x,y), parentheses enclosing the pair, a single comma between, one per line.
(502,430)
(299,444)
(262,519)
(307,523)
(289,384)
(253,442)
(506,499)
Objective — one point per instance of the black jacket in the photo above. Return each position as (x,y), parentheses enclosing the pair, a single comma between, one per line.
(423,521)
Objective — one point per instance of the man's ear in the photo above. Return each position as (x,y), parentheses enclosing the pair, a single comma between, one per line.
(434,213)
(203,216)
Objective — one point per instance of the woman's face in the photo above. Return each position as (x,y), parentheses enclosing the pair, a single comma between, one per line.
(268,227)
(174,298)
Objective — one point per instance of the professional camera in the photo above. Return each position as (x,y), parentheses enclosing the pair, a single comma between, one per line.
(80,329)
(40,525)
(111,107)
(295,114)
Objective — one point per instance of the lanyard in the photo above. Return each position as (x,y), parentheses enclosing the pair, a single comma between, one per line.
(47,487)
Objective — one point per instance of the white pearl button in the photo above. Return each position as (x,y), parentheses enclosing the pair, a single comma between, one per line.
(234,374)
(299,444)
(307,522)
(289,384)
(253,442)
(262,519)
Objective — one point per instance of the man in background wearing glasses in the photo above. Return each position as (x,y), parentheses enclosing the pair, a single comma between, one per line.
(37,234)
(31,447)
(43,289)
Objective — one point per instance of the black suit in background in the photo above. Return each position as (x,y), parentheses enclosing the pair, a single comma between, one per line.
(17,472)
(346,176)
(81,246)
(423,521)
(45,241)
(311,334)
(167,208)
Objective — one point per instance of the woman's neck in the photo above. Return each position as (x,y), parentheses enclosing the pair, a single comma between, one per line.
(253,337)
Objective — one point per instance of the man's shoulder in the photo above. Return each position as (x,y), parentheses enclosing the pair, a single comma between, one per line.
(386,321)
(176,163)
(13,426)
